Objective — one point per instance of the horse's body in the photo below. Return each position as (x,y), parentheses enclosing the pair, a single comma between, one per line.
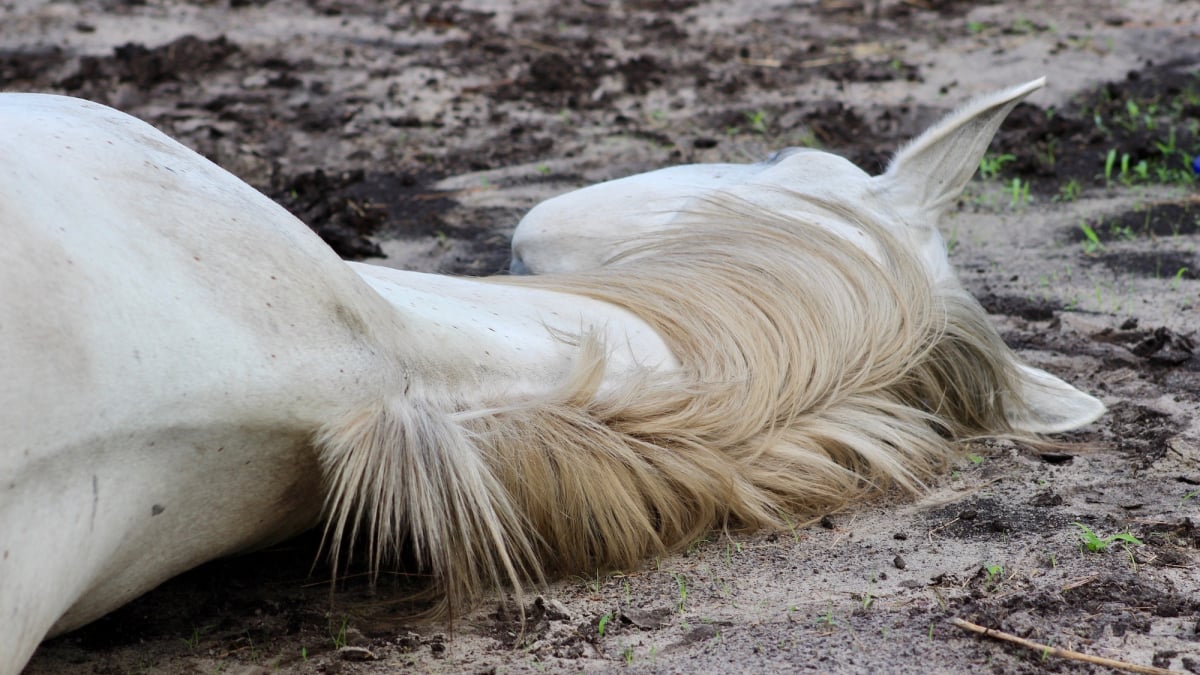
(186,371)
(170,342)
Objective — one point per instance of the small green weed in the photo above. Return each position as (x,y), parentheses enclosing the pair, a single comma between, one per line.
(193,640)
(339,637)
(1097,544)
(758,122)
(1018,191)
(602,625)
(1178,278)
(1069,191)
(993,575)
(1110,161)
(1093,243)
(681,583)
(827,619)
(990,165)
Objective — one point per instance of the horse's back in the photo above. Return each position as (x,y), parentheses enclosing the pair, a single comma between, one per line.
(169,337)
(129,261)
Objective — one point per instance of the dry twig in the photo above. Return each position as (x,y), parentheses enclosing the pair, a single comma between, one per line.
(1047,650)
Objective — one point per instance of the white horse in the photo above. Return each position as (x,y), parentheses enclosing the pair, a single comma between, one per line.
(186,371)
(173,343)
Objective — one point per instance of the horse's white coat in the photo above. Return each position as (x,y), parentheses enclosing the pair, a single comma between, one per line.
(170,340)
(581,230)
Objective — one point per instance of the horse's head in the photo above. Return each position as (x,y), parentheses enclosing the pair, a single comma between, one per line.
(580,230)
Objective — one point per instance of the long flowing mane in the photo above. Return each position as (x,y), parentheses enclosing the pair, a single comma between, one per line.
(812,375)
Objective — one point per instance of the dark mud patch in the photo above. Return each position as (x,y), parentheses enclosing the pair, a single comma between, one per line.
(352,210)
(1150,264)
(510,627)
(250,597)
(1159,346)
(1101,604)
(985,517)
(347,209)
(26,69)
(1139,130)
(185,58)
(1162,220)
(1030,309)
(1177,533)
(1140,431)
(265,602)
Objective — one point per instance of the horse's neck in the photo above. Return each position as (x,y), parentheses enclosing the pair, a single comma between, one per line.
(512,340)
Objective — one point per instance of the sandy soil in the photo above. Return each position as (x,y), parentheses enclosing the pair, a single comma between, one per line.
(421,131)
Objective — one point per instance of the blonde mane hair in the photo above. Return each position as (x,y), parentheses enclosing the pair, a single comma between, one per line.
(812,375)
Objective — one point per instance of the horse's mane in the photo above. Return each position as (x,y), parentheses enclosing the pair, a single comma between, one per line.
(811,376)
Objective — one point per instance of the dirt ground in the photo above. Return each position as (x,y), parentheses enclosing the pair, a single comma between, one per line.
(417,133)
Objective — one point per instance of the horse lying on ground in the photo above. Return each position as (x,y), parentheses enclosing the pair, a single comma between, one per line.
(189,372)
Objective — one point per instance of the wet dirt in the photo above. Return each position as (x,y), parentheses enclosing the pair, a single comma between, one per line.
(415,134)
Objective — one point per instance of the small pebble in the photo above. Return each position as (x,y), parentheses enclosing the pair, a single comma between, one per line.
(899,563)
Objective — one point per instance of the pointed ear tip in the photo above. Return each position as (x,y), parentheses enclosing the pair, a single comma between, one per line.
(1065,416)
(1029,87)
(1071,409)
(986,106)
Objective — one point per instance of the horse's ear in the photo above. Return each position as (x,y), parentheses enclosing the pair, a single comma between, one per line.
(1051,405)
(931,171)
